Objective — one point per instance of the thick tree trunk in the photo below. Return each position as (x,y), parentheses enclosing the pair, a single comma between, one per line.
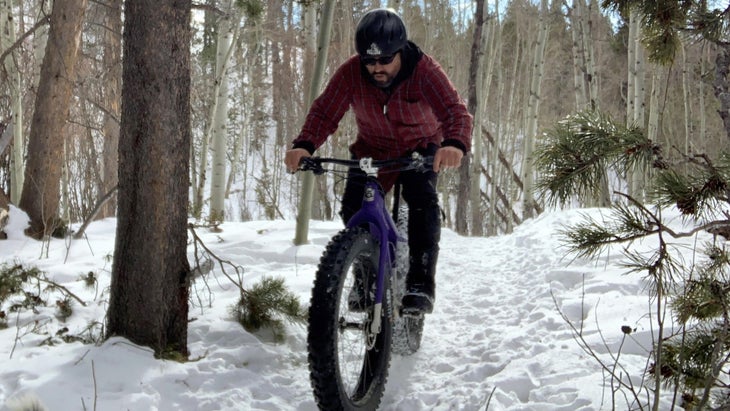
(41,187)
(151,274)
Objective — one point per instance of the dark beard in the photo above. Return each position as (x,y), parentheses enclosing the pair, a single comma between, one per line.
(381,84)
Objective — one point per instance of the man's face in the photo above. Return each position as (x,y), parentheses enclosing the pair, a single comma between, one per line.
(383,69)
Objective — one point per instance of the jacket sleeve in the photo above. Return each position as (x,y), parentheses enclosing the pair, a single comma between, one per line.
(326,111)
(447,105)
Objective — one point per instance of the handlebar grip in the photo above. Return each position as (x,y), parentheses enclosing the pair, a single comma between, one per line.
(311,164)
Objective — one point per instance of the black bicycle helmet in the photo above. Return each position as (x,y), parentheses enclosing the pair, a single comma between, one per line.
(380,32)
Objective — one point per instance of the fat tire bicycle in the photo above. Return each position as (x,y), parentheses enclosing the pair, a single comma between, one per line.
(355,315)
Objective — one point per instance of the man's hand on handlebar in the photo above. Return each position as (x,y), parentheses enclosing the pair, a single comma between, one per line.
(293,157)
(447,157)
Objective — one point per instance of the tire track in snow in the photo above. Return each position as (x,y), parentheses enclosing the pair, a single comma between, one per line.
(493,311)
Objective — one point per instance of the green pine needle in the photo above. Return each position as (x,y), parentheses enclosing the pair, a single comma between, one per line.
(574,156)
(266,306)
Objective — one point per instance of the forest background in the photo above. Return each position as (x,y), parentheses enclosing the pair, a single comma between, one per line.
(172,115)
(252,66)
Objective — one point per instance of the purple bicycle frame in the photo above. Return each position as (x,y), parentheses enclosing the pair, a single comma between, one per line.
(381,226)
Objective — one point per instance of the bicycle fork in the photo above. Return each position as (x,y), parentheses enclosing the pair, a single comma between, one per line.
(381,225)
(384,265)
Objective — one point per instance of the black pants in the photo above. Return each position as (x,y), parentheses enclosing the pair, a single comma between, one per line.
(424,216)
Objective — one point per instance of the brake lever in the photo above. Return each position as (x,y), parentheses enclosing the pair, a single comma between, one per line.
(309,164)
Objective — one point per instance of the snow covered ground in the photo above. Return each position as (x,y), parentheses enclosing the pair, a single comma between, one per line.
(497,335)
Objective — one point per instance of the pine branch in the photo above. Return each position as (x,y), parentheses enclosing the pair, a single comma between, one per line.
(700,190)
(576,154)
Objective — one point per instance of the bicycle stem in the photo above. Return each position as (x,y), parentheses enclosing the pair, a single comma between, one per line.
(366,165)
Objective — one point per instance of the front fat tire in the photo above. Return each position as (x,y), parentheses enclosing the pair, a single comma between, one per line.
(334,387)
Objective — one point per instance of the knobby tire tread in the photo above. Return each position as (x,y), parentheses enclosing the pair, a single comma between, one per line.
(329,394)
(407,331)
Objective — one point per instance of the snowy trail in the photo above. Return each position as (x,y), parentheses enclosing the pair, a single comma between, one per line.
(495,329)
(490,331)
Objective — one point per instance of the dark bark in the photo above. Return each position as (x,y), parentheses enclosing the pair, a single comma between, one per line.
(151,274)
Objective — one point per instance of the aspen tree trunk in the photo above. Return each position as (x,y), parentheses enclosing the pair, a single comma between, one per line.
(491,56)
(576,32)
(686,94)
(640,83)
(246,143)
(538,63)
(631,175)
(511,118)
(652,128)
(496,58)
(227,34)
(469,182)
(584,71)
(584,78)
(631,59)
(588,46)
(638,175)
(702,108)
(591,80)
(18,150)
(7,38)
(305,202)
(41,194)
(239,162)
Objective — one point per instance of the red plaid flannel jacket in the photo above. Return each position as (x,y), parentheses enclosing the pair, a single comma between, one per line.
(424,108)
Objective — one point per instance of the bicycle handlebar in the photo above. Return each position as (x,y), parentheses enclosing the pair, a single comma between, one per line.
(416,162)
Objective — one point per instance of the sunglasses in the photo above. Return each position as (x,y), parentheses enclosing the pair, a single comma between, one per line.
(382,60)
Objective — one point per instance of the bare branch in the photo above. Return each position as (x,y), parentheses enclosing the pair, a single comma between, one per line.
(41,22)
(94,212)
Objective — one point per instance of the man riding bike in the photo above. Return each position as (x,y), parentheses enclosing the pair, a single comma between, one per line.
(403,103)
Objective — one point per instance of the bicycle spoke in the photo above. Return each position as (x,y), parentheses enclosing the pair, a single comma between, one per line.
(349,364)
